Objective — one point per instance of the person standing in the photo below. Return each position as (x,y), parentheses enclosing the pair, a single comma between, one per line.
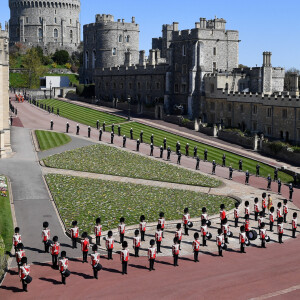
(67,127)
(220,241)
(222,213)
(55,250)
(195,151)
(119,130)
(260,219)
(279,211)
(141,136)
(263,234)
(178,158)
(131,133)
(95,261)
(178,234)
(98,231)
(17,239)
(294,225)
(77,129)
(196,246)
(256,208)
(197,163)
(291,191)
(24,273)
(151,255)
(64,267)
(100,135)
(122,229)
(269,179)
(51,124)
(271,218)
(46,236)
(124,255)
(186,219)
(240,165)
(165,143)
(280,230)
(136,242)
(187,147)
(203,231)
(112,135)
(104,126)
(247,208)
(168,153)
(138,145)
(213,167)
(236,213)
(225,230)
(20,254)
(161,152)
(151,149)
(74,234)
(85,244)
(279,186)
(264,203)
(109,244)
(97,124)
(230,172)
(152,139)
(143,225)
(285,210)
(205,154)
(89,131)
(270,202)
(158,237)
(124,141)
(113,128)
(175,252)
(162,222)
(247,174)
(243,238)
(224,160)
(257,170)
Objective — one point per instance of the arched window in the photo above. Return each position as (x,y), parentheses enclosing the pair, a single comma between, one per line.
(71,34)
(114,51)
(55,33)
(120,38)
(40,33)
(127,38)
(55,20)
(94,59)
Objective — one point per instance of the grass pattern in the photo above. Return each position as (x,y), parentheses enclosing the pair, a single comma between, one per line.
(49,139)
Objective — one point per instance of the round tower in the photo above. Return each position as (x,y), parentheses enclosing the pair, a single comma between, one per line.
(50,25)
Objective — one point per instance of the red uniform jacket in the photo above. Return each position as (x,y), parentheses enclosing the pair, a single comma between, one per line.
(186,218)
(19,255)
(178,234)
(222,214)
(63,264)
(46,235)
(161,221)
(55,248)
(95,259)
(158,236)
(110,243)
(98,230)
(24,271)
(136,242)
(152,253)
(85,245)
(143,226)
(196,245)
(17,239)
(294,223)
(74,232)
(125,255)
(175,249)
(247,225)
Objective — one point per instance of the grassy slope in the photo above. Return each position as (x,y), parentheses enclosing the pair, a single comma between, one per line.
(85,199)
(48,140)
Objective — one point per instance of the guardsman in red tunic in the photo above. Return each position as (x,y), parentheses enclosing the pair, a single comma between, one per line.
(247,225)
(264,203)
(243,238)
(158,237)
(247,208)
(17,239)
(124,257)
(178,234)
(285,210)
(186,218)
(55,250)
(271,218)
(220,241)
(98,231)
(136,242)
(236,213)
(203,232)
(263,234)
(280,230)
(162,223)
(110,244)
(19,254)
(46,236)
(294,224)
(196,246)
(74,234)
(122,229)
(175,251)
(225,230)
(204,214)
(256,208)
(95,261)
(24,273)
(222,213)
(151,255)
(260,219)
(143,225)
(85,244)
(279,211)
(64,267)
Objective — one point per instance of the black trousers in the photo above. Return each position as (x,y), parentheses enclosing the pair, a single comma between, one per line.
(284,218)
(226,238)
(203,240)
(175,256)
(220,250)
(63,278)
(84,256)
(46,247)
(256,215)
(151,264)
(243,247)
(124,267)
(100,136)
(54,260)
(136,251)
(158,246)
(269,186)
(280,238)
(143,236)
(294,232)
(271,226)
(236,222)
(196,256)
(230,175)
(98,240)
(186,229)
(121,238)
(264,211)
(151,152)
(263,243)
(197,166)
(109,253)
(24,285)
(74,242)
(95,273)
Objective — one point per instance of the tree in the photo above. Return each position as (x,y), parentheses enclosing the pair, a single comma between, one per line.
(61,57)
(241,66)
(288,78)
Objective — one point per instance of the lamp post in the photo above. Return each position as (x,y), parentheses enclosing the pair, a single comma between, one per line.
(129,103)
(50,83)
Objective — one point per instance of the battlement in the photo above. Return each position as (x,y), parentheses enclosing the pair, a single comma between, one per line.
(4,32)
(68,4)
(104,18)
(108,21)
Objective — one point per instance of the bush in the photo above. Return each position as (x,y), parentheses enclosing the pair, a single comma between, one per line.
(296,149)
(276,147)
(54,65)
(68,66)
(86,91)
(3,259)
(61,57)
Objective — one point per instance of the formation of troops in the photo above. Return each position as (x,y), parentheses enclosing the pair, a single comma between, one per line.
(201,236)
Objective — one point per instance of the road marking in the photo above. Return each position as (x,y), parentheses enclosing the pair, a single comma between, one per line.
(274,294)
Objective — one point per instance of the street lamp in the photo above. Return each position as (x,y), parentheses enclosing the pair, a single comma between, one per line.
(50,83)
(129,102)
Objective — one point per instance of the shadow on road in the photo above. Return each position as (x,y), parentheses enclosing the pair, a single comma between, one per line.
(55,282)
(11,288)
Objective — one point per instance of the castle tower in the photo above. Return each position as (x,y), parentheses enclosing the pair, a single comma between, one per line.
(50,25)
(267,73)
(5,147)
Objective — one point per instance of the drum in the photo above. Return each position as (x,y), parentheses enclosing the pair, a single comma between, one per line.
(230,234)
(208,235)
(247,243)
(252,235)
(98,267)
(190,224)
(208,223)
(49,243)
(28,279)
(268,239)
(66,273)
(224,246)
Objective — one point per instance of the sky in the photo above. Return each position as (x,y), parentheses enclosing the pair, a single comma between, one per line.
(263,25)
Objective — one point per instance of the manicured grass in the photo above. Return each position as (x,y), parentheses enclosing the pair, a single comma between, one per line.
(113,161)
(6,222)
(49,139)
(213,153)
(82,114)
(84,200)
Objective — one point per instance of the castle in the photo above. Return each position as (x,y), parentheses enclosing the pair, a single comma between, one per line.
(5,147)
(50,25)
(195,70)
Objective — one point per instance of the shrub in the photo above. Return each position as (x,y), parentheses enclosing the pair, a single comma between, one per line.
(3,259)
(61,57)
(276,147)
(68,66)
(54,65)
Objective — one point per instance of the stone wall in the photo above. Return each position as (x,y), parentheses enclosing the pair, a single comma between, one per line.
(236,138)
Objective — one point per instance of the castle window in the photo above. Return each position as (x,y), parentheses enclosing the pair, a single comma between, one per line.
(269,130)
(284,113)
(27,20)
(269,112)
(183,50)
(71,34)
(226,86)
(55,33)
(214,51)
(214,66)
(114,51)
(86,59)
(176,88)
(120,38)
(40,33)
(254,109)
(41,20)
(70,21)
(55,12)
(94,59)
(183,88)
(121,85)
(254,126)
(127,39)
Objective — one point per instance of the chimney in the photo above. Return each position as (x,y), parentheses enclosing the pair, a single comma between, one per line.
(295,83)
(175,26)
(127,59)
(152,57)
(142,58)
(133,20)
(267,59)
(123,20)
(197,25)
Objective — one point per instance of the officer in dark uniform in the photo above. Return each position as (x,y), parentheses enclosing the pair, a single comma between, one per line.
(279,186)
(100,134)
(152,139)
(214,167)
(179,157)
(119,130)
(52,109)
(141,136)
(67,127)
(257,170)
(205,155)
(197,163)
(165,143)
(247,174)
(195,151)
(103,126)
(131,133)
(230,172)
(295,178)
(89,131)
(240,165)
(187,147)
(51,125)
(276,174)
(77,129)
(57,111)
(124,141)
(269,182)
(97,124)
(291,191)
(224,160)
(151,149)
(161,152)
(168,153)
(112,135)
(138,145)
(177,147)
(113,127)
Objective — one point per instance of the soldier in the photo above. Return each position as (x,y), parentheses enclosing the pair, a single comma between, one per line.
(138,145)
(197,163)
(280,230)
(220,241)
(104,126)
(19,254)
(131,133)
(49,109)
(143,225)
(225,230)
(263,234)
(177,147)
(236,214)
(63,267)
(122,229)
(100,134)
(52,109)
(275,174)
(162,222)
(230,172)
(247,225)
(186,218)
(77,129)
(158,237)
(85,244)
(46,236)
(205,155)
(112,135)
(285,210)
(291,191)
(279,186)
(124,255)
(187,147)
(165,143)
(224,160)
(67,127)
(151,255)
(168,153)
(243,238)
(256,208)
(240,165)
(95,261)
(89,131)
(196,246)
(152,139)
(213,167)
(136,242)
(151,149)
(175,251)
(204,215)
(271,218)
(257,170)
(24,273)
(98,231)
(269,182)
(161,152)
(222,213)
(55,249)
(51,125)
(119,130)
(195,151)
(74,234)
(17,238)
(97,124)
(260,219)
(178,234)
(294,224)
(178,158)
(247,174)
(124,141)
(113,127)
(109,244)
(247,208)
(141,136)
(203,231)
(57,111)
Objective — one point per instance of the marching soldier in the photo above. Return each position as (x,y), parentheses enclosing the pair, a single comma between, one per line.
(168,153)
(161,152)
(247,174)
(95,261)
(291,191)
(264,203)
(143,225)
(178,234)
(222,213)
(230,172)
(46,236)
(64,267)
(112,135)
(85,244)
(247,208)
(205,155)
(124,255)
(124,141)
(236,214)
(24,273)
(271,218)
(52,109)
(151,255)
(280,230)
(197,163)
(100,134)
(224,160)
(187,147)
(247,225)
(165,143)
(138,145)
(119,130)
(178,158)
(294,224)
(136,242)
(285,210)
(55,249)
(67,127)
(141,136)
(97,124)
(195,151)
(213,167)
(89,131)
(51,125)
(203,231)
(162,222)
(220,241)
(225,230)
(77,129)
(109,244)
(269,182)
(74,234)
(152,139)
(19,254)
(113,127)
(131,133)
(196,246)
(279,186)
(186,218)
(257,170)
(98,231)
(175,251)
(263,235)
(57,111)
(17,238)
(122,229)
(103,126)
(256,208)
(260,219)
(158,237)
(240,165)
(275,174)
(243,238)
(279,211)
(151,149)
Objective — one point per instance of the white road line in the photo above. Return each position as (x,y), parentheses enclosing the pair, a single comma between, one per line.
(274,294)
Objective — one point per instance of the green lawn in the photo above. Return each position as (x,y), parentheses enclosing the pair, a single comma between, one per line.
(113,161)
(6,223)
(17,80)
(82,114)
(84,200)
(49,139)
